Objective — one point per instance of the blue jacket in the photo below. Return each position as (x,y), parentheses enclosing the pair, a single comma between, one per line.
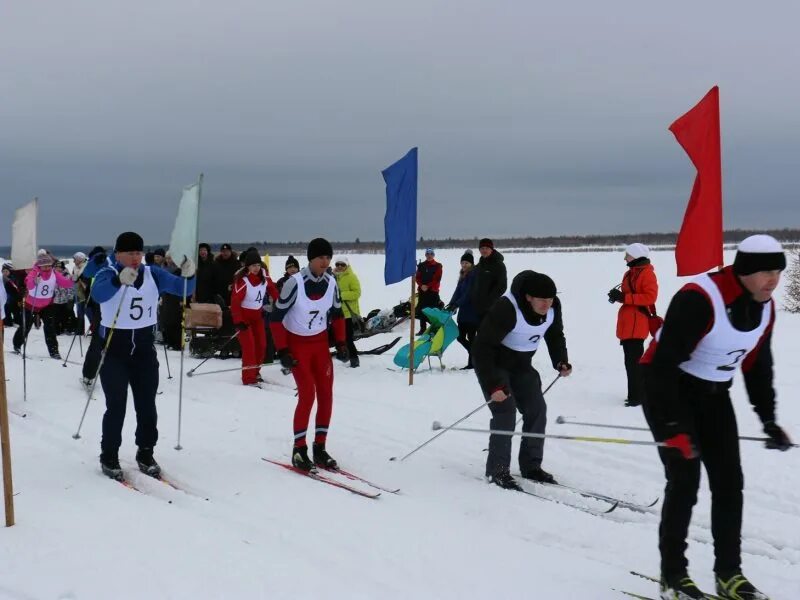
(462,298)
(106,284)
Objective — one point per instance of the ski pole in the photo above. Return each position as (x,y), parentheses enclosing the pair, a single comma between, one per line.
(25,344)
(603,440)
(166,359)
(189,373)
(180,369)
(80,344)
(443,430)
(72,343)
(228,341)
(77,435)
(565,421)
(547,389)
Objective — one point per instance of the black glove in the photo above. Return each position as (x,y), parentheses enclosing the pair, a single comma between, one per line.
(563,366)
(451,308)
(341,353)
(240,326)
(778,440)
(616,295)
(99,258)
(287,360)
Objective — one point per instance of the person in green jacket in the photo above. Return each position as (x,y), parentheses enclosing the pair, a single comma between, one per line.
(350,290)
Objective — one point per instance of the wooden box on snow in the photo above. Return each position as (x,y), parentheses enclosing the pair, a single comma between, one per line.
(203,316)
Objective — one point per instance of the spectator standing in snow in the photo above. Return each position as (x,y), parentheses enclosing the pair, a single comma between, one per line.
(350,291)
(429,279)
(637,294)
(462,302)
(490,278)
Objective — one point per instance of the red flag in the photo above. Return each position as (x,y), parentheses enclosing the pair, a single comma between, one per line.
(699,246)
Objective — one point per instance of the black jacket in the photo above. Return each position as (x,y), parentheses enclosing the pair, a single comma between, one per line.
(487,352)
(204,292)
(224,271)
(688,319)
(491,282)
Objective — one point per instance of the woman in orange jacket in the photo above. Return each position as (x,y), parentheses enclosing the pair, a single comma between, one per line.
(638,294)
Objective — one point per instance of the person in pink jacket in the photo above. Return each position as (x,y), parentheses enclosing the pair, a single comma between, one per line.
(41,283)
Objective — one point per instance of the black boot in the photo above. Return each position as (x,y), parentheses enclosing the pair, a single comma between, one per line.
(109,463)
(354,362)
(147,464)
(539,475)
(300,459)
(502,478)
(322,458)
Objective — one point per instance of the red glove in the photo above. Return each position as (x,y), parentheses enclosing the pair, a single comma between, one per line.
(683,443)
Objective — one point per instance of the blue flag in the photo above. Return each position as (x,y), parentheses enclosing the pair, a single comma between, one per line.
(401,218)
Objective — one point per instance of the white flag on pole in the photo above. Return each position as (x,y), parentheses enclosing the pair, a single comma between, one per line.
(23,235)
(183,243)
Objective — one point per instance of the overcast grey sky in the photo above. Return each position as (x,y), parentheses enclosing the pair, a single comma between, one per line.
(531,117)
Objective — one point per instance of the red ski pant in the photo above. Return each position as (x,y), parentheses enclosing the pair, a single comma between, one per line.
(314,377)
(253,343)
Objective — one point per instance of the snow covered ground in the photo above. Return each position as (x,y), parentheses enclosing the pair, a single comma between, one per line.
(248,529)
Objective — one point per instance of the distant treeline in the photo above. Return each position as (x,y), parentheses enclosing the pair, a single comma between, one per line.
(580,243)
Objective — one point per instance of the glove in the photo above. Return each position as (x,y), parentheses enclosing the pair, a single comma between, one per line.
(679,439)
(287,360)
(564,368)
(616,295)
(341,353)
(778,440)
(99,258)
(240,326)
(128,276)
(188,268)
(452,308)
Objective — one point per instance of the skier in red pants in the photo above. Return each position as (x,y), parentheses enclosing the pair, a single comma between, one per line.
(250,286)
(299,325)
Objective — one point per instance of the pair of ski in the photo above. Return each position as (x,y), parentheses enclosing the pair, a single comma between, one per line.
(324,478)
(126,482)
(655,580)
(615,502)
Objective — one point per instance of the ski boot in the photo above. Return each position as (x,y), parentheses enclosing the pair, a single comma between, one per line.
(502,478)
(86,383)
(301,461)
(56,355)
(539,475)
(323,459)
(109,463)
(147,464)
(680,588)
(354,362)
(737,587)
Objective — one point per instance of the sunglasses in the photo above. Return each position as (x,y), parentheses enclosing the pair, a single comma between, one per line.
(341,265)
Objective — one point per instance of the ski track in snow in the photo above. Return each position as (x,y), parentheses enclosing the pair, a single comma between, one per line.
(264,532)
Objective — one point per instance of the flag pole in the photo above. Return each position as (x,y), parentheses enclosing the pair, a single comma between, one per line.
(411,334)
(5,441)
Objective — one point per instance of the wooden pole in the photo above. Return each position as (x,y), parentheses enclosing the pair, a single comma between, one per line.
(411,334)
(5,440)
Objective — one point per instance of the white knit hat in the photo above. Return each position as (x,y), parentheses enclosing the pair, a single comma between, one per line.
(638,250)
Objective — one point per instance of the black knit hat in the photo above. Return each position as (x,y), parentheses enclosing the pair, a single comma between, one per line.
(206,246)
(129,242)
(251,258)
(538,285)
(319,247)
(467,256)
(292,262)
(159,252)
(486,243)
(759,253)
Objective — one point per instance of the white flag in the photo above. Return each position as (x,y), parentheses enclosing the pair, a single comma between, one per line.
(23,235)
(183,243)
